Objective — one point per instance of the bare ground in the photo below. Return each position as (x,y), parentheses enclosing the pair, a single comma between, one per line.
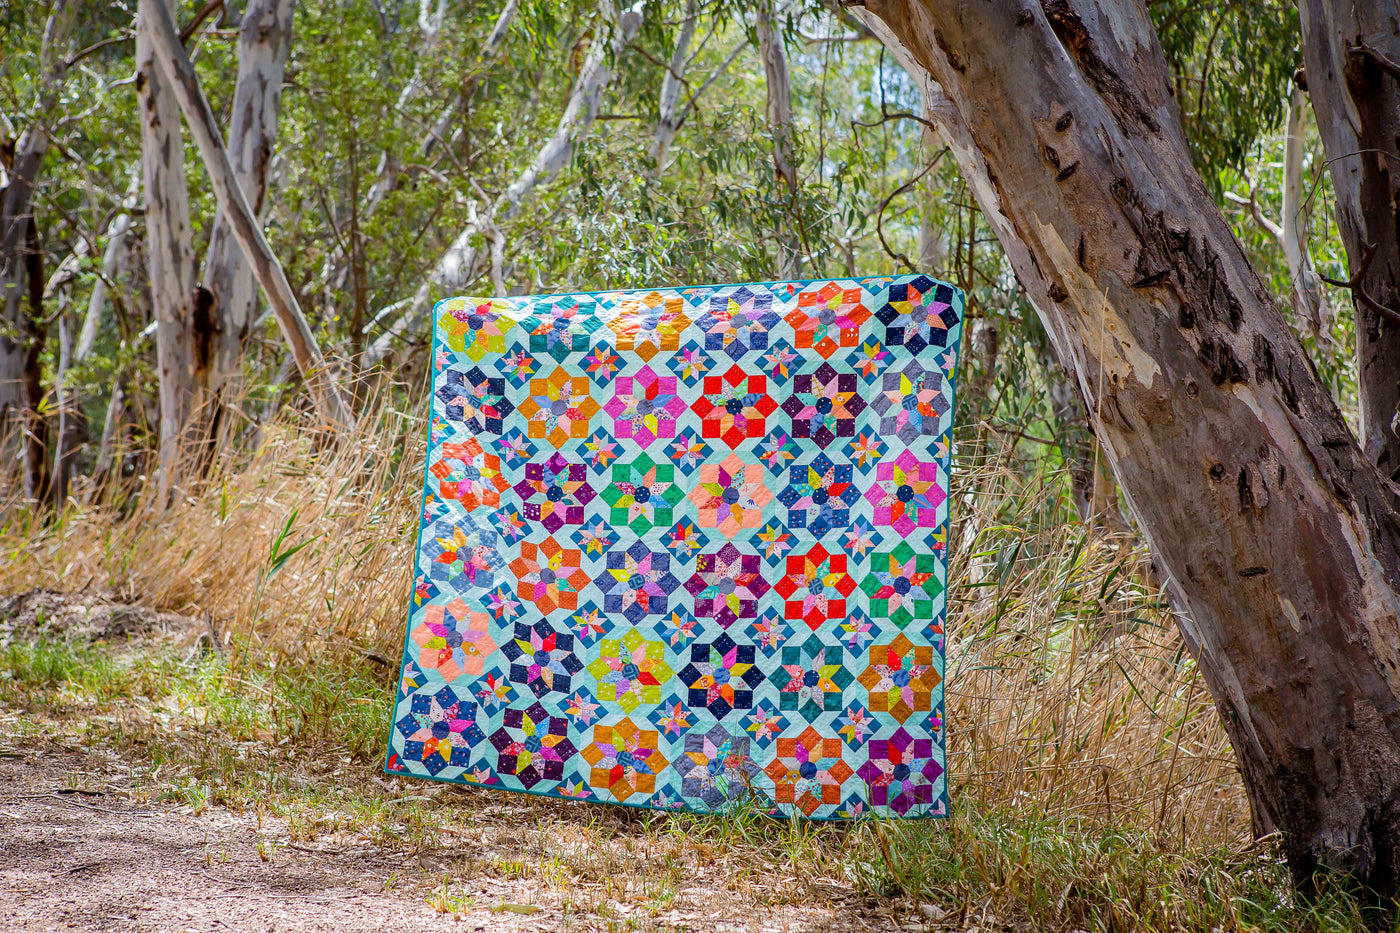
(87,844)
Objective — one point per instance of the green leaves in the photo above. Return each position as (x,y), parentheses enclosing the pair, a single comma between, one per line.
(1232,64)
(279,553)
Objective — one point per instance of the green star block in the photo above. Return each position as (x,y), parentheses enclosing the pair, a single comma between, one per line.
(902,585)
(643,494)
(813,658)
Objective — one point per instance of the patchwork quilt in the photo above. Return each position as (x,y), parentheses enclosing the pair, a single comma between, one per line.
(685,548)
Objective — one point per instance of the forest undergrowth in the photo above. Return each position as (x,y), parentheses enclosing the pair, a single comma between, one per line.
(1092,786)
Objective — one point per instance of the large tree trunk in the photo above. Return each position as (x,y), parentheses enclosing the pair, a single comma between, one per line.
(228,302)
(169,243)
(1278,537)
(184,84)
(1350,51)
(779,100)
(461,263)
(16,209)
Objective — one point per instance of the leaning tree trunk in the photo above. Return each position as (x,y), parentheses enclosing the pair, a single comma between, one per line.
(1351,51)
(169,244)
(330,402)
(1278,537)
(228,300)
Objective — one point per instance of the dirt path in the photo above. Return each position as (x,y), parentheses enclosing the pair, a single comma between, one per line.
(77,853)
(91,840)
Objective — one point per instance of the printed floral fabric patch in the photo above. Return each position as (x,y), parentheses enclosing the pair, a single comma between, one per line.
(686,548)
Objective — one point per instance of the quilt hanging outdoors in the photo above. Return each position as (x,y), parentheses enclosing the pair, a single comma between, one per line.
(685,548)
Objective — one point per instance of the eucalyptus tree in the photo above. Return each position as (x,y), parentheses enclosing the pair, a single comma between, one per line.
(1279,537)
(20,393)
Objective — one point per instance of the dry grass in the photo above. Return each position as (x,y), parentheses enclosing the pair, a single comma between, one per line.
(1069,691)
(1092,785)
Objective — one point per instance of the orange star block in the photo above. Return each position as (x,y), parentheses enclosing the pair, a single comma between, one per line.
(900,678)
(624,759)
(549,575)
(825,767)
(558,408)
(828,319)
(650,324)
(484,489)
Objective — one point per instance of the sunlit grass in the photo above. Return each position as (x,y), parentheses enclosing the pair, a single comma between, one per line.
(301,744)
(1092,786)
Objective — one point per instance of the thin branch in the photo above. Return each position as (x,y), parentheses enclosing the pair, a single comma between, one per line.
(879,213)
(127,35)
(206,11)
(1252,202)
(1368,253)
(692,104)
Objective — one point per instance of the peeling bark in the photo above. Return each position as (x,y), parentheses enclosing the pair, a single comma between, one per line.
(184,84)
(463,261)
(1356,98)
(264,39)
(1279,539)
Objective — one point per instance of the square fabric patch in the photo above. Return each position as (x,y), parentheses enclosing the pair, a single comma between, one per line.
(685,548)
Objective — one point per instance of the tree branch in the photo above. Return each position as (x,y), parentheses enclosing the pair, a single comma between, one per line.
(1368,253)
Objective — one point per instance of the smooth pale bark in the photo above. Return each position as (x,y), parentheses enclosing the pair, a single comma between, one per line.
(779,106)
(228,301)
(1278,538)
(463,261)
(1309,299)
(1350,51)
(933,246)
(112,257)
(170,260)
(16,200)
(668,109)
(184,84)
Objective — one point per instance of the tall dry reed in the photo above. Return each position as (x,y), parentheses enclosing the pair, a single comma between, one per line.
(1070,694)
